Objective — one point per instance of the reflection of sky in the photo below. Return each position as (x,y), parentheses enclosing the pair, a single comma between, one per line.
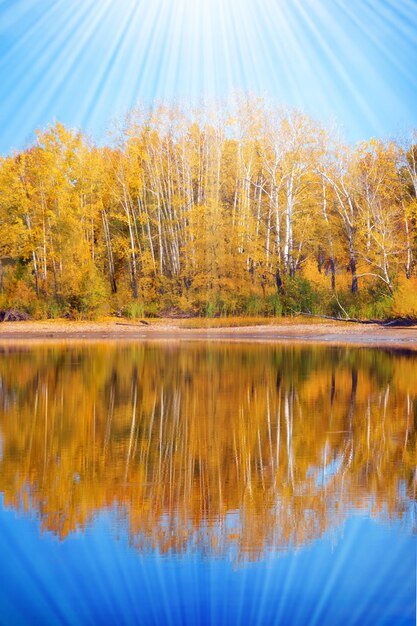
(367,577)
(84,61)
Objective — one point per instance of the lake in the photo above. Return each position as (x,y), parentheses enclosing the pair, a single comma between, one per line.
(207,483)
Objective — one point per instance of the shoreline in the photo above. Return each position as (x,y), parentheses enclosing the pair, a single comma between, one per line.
(328,333)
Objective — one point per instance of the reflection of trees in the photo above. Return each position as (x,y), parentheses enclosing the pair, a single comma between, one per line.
(208,446)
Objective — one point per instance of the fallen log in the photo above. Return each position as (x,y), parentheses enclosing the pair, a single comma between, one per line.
(339,319)
(134,325)
(398,321)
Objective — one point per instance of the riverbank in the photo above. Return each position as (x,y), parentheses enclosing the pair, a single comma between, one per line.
(291,330)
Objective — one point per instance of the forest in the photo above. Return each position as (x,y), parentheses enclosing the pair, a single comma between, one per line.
(248,210)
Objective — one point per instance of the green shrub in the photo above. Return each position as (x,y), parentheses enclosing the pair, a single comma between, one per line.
(134,309)
(299,296)
(255,306)
(370,303)
(274,305)
(210,309)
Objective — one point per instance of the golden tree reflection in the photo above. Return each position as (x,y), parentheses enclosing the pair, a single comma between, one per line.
(222,446)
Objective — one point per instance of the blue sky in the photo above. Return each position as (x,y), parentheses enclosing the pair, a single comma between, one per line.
(85,62)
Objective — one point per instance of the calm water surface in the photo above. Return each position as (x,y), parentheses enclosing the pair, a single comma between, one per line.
(207,484)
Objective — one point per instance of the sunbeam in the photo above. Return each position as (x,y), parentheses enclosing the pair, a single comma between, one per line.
(85,63)
(183,185)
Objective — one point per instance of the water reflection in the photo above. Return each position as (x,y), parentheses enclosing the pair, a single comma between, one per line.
(220,448)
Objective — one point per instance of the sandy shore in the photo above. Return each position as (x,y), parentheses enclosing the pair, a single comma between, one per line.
(181,330)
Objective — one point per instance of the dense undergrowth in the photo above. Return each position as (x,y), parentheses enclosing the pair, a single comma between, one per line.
(298,295)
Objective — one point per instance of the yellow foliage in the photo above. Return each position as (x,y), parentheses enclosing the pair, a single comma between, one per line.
(214,205)
(405,298)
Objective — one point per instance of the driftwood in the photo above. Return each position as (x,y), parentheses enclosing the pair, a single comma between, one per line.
(398,321)
(12,315)
(134,325)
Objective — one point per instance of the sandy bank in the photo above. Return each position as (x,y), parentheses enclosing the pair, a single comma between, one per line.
(183,330)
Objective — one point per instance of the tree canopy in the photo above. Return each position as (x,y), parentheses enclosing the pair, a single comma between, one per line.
(256,210)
